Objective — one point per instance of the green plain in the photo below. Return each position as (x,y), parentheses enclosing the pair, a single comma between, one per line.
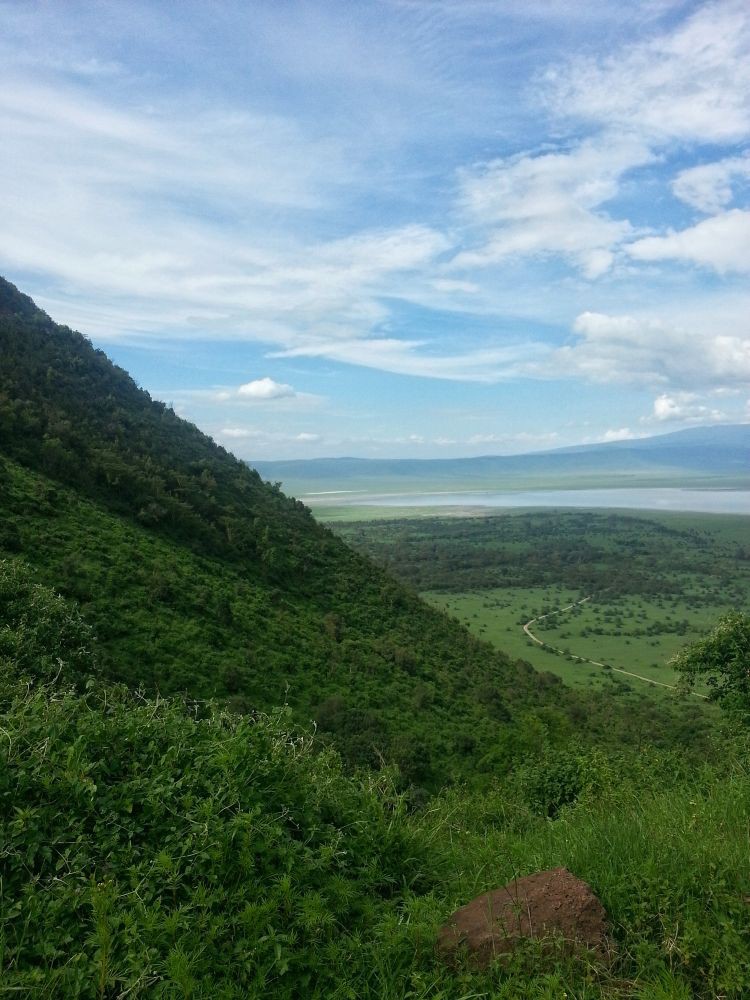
(657,581)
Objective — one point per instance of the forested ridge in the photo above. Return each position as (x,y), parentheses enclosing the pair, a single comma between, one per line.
(214,843)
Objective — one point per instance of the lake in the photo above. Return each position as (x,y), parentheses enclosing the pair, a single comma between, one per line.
(647,498)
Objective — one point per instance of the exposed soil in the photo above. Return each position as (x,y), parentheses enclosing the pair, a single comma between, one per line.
(548,905)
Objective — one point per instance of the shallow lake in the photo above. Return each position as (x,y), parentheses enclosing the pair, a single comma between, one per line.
(646,498)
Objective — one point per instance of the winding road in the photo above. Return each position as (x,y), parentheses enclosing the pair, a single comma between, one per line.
(585,659)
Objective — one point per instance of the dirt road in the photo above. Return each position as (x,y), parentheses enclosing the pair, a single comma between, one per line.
(585,659)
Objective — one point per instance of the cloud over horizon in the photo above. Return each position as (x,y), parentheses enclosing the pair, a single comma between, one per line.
(549,196)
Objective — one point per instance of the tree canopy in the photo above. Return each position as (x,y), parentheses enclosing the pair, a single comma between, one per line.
(722,660)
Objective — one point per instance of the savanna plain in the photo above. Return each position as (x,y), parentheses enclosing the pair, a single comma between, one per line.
(624,589)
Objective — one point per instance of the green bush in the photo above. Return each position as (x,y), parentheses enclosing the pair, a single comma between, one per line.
(149,850)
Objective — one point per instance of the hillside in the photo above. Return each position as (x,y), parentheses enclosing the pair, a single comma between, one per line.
(211,844)
(199,578)
(159,848)
(717,455)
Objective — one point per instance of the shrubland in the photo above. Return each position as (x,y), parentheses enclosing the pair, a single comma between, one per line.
(171,848)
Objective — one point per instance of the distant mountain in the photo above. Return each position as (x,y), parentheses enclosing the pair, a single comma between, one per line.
(689,457)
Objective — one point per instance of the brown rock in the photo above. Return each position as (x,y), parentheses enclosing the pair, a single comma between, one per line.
(549,905)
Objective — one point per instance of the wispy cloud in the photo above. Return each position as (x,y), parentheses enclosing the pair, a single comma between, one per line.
(691,83)
(710,186)
(551,203)
(490,364)
(507,213)
(721,242)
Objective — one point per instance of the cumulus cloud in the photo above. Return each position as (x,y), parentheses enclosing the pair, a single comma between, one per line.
(640,349)
(685,408)
(551,203)
(710,186)
(618,434)
(265,388)
(691,83)
(721,242)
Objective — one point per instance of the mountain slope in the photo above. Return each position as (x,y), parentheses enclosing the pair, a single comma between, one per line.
(155,848)
(198,577)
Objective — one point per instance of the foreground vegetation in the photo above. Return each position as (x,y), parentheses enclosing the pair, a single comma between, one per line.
(171,849)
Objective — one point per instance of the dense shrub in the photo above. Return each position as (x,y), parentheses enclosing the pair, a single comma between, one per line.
(148,849)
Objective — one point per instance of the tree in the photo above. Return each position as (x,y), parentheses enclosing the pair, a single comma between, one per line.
(722,660)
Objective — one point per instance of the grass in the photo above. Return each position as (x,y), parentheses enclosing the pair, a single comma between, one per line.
(659,581)
(151,852)
(671,867)
(498,616)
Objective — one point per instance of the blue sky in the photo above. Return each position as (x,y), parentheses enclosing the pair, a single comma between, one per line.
(391,227)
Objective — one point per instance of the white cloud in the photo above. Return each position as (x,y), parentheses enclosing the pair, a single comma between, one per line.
(551,203)
(265,388)
(490,364)
(238,433)
(143,211)
(260,440)
(709,187)
(721,242)
(691,83)
(685,408)
(618,434)
(640,349)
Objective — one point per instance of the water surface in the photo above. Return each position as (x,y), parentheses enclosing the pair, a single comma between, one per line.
(644,498)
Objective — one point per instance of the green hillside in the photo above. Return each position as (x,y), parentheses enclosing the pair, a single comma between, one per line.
(198,577)
(169,849)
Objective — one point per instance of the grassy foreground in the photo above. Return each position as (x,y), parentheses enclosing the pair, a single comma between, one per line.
(173,849)
(156,849)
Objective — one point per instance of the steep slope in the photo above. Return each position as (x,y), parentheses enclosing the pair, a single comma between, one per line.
(200,578)
(159,848)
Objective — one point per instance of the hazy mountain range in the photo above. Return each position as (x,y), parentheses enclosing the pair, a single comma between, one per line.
(711,455)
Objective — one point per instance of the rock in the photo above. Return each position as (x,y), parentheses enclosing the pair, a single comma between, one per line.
(549,905)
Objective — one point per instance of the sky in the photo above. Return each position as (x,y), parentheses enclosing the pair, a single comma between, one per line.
(391,228)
